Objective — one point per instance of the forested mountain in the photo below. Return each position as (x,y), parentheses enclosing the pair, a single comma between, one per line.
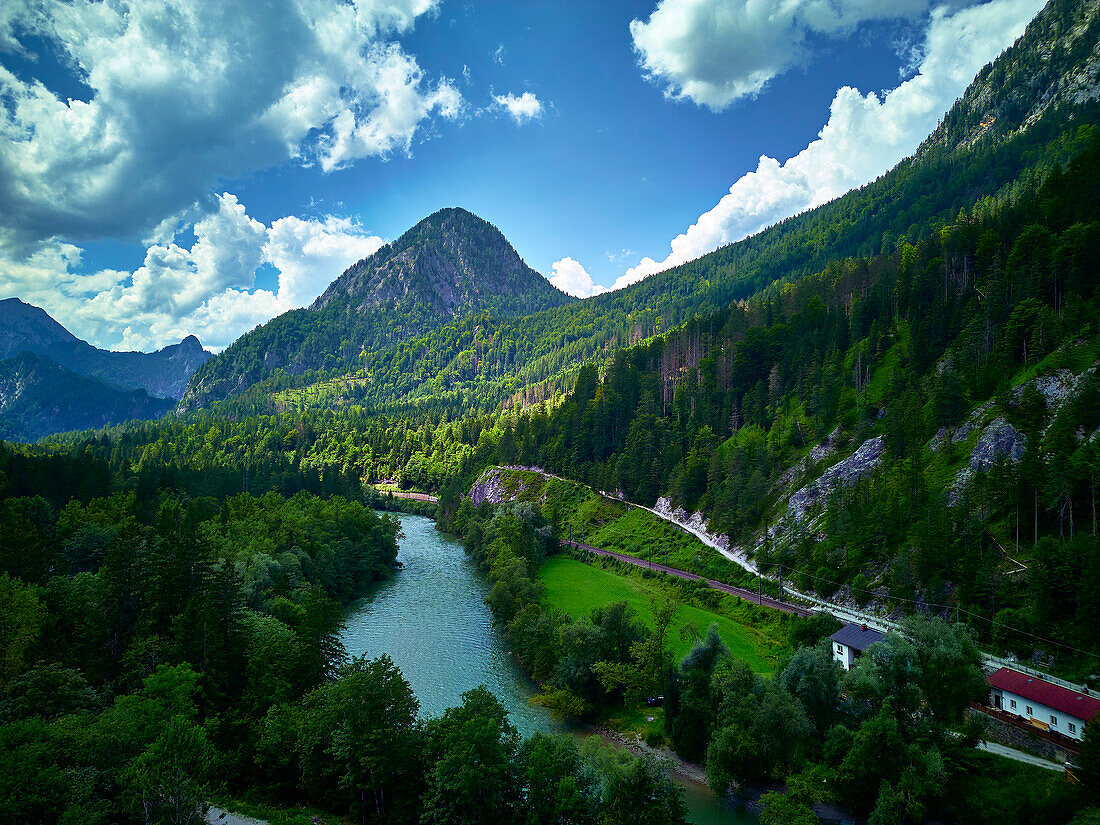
(450,265)
(1055,65)
(1032,102)
(918,428)
(163,373)
(52,382)
(937,389)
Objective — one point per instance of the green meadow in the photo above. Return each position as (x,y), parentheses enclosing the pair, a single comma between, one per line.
(750,632)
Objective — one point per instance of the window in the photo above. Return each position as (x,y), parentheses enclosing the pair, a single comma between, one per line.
(1072,727)
(840,648)
(1054,720)
(1012,703)
(1029,711)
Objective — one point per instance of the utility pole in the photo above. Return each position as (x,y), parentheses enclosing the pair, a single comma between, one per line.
(666,550)
(780,581)
(759,587)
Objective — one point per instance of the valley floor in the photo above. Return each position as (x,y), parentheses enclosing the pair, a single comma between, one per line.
(579,588)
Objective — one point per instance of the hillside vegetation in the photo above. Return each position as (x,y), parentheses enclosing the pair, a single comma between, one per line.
(963,367)
(420,358)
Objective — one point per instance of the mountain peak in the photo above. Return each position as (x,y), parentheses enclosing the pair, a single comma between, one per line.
(448,263)
(25,326)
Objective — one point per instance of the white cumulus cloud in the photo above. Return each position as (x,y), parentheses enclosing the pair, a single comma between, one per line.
(522,107)
(865,136)
(571,278)
(184,93)
(310,254)
(207,289)
(714,52)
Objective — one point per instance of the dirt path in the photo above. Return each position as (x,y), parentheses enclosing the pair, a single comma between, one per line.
(748,595)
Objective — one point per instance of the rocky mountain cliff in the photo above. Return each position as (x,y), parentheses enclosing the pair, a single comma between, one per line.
(1055,63)
(164,374)
(451,262)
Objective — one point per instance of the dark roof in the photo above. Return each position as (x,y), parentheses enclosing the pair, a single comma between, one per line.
(858,637)
(1069,702)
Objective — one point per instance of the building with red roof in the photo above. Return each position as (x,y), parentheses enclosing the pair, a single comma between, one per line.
(1041,703)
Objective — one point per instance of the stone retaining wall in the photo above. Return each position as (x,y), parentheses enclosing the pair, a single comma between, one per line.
(1005,733)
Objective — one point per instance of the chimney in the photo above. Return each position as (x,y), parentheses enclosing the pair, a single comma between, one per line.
(863,628)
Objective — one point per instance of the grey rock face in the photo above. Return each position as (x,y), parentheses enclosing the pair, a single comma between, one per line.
(490,487)
(999,438)
(1056,388)
(819,453)
(827,447)
(842,474)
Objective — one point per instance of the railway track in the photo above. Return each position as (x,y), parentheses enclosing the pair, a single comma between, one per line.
(747,595)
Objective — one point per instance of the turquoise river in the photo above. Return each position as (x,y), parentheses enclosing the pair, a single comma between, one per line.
(432,620)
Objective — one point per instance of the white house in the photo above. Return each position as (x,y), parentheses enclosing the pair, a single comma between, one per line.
(1043,704)
(850,641)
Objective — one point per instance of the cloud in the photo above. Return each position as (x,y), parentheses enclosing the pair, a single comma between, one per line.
(865,136)
(185,93)
(207,290)
(310,254)
(522,108)
(499,55)
(714,52)
(571,278)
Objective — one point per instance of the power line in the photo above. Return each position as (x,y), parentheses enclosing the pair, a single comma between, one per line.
(958,608)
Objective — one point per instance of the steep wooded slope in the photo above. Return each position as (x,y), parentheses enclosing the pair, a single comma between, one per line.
(1036,119)
(448,266)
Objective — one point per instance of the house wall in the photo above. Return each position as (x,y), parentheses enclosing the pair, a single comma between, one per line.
(844,655)
(1039,712)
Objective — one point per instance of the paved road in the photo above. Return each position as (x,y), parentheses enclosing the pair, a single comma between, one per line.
(748,595)
(1020,756)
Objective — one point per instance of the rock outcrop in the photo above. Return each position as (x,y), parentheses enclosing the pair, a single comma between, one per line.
(488,488)
(842,474)
(998,439)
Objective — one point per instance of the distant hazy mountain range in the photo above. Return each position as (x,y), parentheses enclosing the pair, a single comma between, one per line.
(51,381)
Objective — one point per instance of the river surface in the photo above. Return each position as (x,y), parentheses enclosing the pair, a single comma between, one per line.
(432,620)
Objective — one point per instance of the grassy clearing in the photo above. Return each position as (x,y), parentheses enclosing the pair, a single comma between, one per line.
(582,514)
(578,588)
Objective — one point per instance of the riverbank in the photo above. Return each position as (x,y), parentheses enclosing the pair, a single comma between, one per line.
(633,743)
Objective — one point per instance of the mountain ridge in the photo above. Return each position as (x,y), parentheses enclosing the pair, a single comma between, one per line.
(164,373)
(39,397)
(450,265)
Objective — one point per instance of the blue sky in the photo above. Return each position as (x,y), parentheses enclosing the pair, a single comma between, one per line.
(191,166)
